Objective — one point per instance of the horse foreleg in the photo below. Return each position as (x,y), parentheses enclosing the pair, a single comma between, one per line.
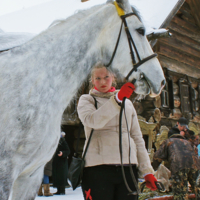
(27,185)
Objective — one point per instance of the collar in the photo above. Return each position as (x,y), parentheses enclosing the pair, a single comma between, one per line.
(96,93)
(177,136)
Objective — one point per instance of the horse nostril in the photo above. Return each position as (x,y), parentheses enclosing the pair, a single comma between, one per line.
(163,83)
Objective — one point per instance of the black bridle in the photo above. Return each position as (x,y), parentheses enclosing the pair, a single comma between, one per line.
(131,46)
(135,66)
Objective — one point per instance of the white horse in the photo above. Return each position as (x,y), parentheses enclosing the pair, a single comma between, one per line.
(38,80)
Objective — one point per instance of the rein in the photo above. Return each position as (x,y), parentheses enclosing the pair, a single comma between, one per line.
(132,48)
(131,192)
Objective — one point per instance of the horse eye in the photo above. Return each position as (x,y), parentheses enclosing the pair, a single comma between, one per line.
(141,31)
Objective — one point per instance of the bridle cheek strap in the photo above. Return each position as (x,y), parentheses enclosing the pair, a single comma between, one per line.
(135,66)
(130,42)
(131,45)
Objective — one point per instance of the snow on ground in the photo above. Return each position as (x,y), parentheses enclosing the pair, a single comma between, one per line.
(69,195)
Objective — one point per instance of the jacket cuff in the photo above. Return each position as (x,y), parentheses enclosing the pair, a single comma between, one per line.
(118,98)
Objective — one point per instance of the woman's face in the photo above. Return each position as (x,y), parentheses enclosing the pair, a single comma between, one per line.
(102,79)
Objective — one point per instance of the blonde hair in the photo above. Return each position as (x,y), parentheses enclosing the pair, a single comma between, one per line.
(100,65)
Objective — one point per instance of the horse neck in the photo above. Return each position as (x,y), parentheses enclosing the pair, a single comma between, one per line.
(60,59)
(84,50)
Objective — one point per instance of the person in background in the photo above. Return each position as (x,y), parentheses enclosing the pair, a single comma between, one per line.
(198,147)
(60,165)
(102,176)
(196,142)
(183,164)
(45,182)
(190,135)
(180,127)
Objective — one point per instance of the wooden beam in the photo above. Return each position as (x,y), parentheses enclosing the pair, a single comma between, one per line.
(187,40)
(153,36)
(179,67)
(195,7)
(188,19)
(181,47)
(184,24)
(185,13)
(175,54)
(172,13)
(177,28)
(186,9)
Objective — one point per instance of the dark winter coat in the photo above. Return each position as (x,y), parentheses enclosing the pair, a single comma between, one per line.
(173,130)
(60,164)
(48,168)
(178,152)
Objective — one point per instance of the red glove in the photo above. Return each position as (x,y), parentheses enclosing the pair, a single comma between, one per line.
(126,90)
(150,181)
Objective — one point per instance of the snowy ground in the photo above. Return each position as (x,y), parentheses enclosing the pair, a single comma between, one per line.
(69,195)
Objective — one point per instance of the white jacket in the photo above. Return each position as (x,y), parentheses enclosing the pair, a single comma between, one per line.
(104,146)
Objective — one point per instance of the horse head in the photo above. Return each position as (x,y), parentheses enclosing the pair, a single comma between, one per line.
(134,57)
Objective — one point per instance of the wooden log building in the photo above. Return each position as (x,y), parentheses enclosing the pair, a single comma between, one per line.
(179,56)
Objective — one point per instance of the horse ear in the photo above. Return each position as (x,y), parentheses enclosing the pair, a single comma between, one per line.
(125,5)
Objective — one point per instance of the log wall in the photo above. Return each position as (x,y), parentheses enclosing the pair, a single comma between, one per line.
(180,59)
(181,52)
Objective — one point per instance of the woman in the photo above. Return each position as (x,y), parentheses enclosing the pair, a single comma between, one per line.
(60,166)
(102,176)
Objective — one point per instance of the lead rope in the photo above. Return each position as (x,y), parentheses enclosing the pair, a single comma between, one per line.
(131,192)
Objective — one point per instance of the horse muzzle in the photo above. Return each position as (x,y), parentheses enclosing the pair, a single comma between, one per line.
(145,87)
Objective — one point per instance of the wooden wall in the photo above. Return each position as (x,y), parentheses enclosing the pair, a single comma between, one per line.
(180,59)
(181,52)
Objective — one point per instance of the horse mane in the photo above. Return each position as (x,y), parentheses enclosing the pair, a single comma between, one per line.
(137,13)
(81,14)
(77,16)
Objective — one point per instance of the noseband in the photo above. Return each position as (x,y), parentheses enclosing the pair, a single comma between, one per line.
(131,43)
